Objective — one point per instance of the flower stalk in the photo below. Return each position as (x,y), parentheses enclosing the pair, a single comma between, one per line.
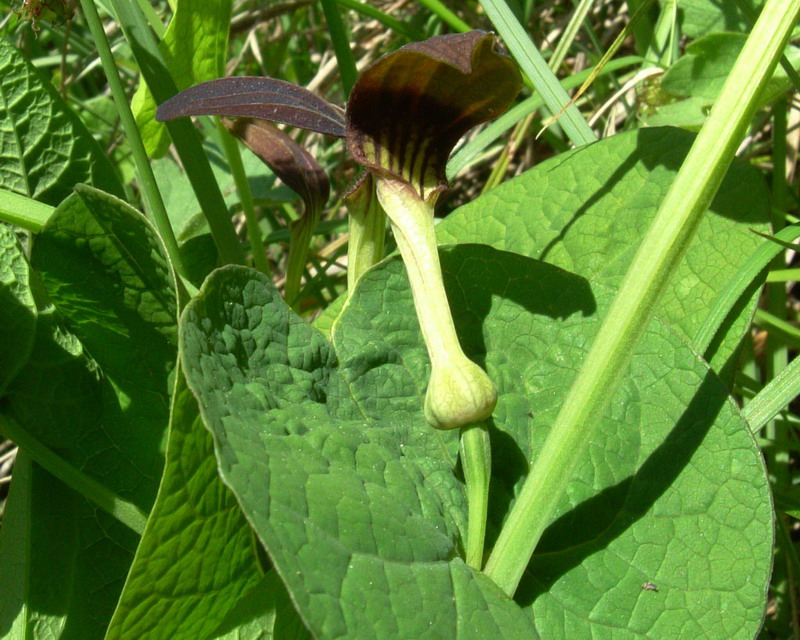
(460,393)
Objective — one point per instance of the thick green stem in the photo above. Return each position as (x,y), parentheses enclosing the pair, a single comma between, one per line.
(154,204)
(367,231)
(365,246)
(459,391)
(23,211)
(476,461)
(655,261)
(300,239)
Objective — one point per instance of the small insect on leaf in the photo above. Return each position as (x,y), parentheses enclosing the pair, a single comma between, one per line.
(649,586)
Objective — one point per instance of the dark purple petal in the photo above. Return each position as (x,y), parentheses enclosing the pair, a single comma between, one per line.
(294,165)
(409,108)
(255,97)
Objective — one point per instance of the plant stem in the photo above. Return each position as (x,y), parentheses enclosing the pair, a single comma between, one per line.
(23,211)
(367,231)
(655,261)
(301,232)
(126,512)
(234,158)
(773,398)
(777,354)
(445,15)
(476,461)
(187,142)
(154,204)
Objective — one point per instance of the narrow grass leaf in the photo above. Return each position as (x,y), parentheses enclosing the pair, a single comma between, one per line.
(535,68)
(774,397)
(745,278)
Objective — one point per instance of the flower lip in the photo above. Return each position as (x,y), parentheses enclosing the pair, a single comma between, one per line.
(256,97)
(410,107)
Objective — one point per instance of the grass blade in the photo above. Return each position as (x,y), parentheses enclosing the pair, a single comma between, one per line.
(341,45)
(662,248)
(534,66)
(774,397)
(739,284)
(186,139)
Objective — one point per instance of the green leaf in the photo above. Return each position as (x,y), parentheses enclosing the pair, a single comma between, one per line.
(105,271)
(355,497)
(61,561)
(181,202)
(195,49)
(700,17)
(360,516)
(266,612)
(95,389)
(586,212)
(689,114)
(702,71)
(17,308)
(64,578)
(44,147)
(195,519)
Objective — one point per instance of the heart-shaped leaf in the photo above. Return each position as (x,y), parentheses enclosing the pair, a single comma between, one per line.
(94,390)
(359,516)
(355,497)
(672,493)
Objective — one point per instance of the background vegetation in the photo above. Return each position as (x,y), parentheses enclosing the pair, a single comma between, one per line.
(652,79)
